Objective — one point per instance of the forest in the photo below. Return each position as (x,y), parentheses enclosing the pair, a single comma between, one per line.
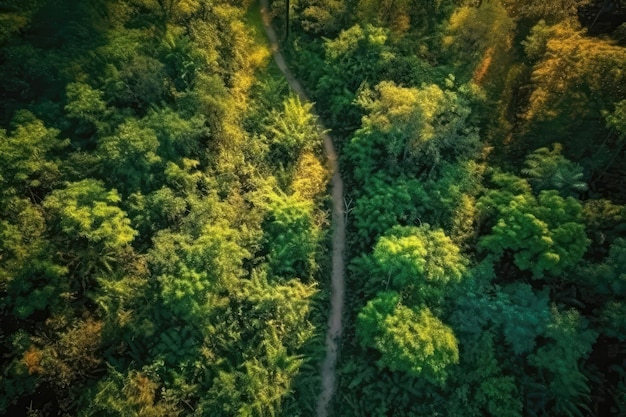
(166,209)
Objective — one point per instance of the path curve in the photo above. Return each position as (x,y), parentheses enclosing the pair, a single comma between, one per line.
(333,334)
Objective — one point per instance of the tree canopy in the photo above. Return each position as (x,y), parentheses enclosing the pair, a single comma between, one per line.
(167,205)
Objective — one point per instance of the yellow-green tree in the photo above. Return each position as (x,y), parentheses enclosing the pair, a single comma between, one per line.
(418,126)
(417,261)
(409,340)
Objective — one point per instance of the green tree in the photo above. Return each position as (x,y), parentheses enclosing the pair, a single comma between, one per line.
(86,221)
(292,130)
(536,42)
(385,200)
(191,272)
(417,260)
(129,156)
(549,170)
(40,286)
(561,386)
(544,234)
(87,106)
(409,340)
(350,60)
(374,212)
(291,237)
(419,126)
(22,230)
(184,61)
(27,157)
(179,136)
(279,313)
(612,320)
(311,178)
(479,385)
(132,76)
(606,280)
(515,313)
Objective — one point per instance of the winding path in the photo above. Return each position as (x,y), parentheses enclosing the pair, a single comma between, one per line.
(333,334)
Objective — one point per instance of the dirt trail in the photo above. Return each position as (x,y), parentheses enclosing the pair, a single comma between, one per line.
(333,334)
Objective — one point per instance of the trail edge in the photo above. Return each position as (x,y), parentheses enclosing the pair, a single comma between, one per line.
(334,331)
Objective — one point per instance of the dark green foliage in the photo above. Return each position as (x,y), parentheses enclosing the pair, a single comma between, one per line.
(607,279)
(351,60)
(38,287)
(562,387)
(516,312)
(15,382)
(481,387)
(549,170)
(544,234)
(373,214)
(179,135)
(129,155)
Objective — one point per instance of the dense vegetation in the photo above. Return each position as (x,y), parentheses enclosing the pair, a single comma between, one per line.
(163,232)
(483,149)
(163,218)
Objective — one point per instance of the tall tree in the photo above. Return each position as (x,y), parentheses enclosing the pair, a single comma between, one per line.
(292,130)
(28,164)
(574,80)
(561,386)
(417,261)
(419,126)
(549,170)
(409,340)
(86,221)
(544,234)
